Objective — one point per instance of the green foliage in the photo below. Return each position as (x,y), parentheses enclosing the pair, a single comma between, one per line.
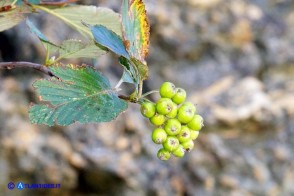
(20,2)
(81,94)
(141,68)
(69,48)
(37,32)
(109,39)
(50,47)
(77,49)
(130,74)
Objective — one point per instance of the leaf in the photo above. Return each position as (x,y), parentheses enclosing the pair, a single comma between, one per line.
(13,17)
(20,2)
(51,47)
(73,15)
(135,28)
(48,45)
(81,95)
(141,67)
(130,74)
(77,49)
(37,32)
(109,39)
(69,48)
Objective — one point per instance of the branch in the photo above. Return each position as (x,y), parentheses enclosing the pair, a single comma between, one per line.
(21,64)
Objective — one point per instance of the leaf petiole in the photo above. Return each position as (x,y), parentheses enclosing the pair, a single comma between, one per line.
(13,3)
(119,83)
(142,100)
(150,92)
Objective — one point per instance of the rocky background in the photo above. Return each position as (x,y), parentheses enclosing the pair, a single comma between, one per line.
(235,59)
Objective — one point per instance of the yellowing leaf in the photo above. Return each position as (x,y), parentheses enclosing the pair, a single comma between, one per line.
(135,29)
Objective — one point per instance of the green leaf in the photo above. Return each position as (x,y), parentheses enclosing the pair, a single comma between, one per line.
(69,48)
(109,39)
(20,2)
(77,49)
(51,47)
(141,67)
(13,17)
(73,15)
(81,94)
(37,32)
(130,74)
(48,45)
(135,28)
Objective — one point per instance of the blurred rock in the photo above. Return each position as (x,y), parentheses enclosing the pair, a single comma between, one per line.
(229,181)
(232,103)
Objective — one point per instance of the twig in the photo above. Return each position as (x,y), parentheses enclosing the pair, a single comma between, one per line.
(22,64)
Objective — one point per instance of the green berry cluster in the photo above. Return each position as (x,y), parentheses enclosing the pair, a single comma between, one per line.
(176,122)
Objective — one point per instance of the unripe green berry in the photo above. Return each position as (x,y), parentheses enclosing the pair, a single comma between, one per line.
(172,126)
(185,113)
(188,145)
(171,143)
(164,106)
(184,134)
(194,134)
(157,119)
(159,136)
(163,154)
(196,123)
(173,113)
(148,109)
(167,90)
(180,96)
(190,105)
(179,152)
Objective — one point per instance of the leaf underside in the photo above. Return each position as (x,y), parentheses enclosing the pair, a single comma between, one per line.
(69,48)
(73,15)
(51,47)
(20,2)
(13,17)
(77,49)
(109,39)
(130,74)
(82,94)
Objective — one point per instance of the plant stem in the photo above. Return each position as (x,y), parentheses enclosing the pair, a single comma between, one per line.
(142,100)
(119,83)
(47,54)
(22,64)
(13,2)
(150,92)
(140,89)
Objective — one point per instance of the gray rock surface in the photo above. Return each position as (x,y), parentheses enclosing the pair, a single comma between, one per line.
(235,59)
